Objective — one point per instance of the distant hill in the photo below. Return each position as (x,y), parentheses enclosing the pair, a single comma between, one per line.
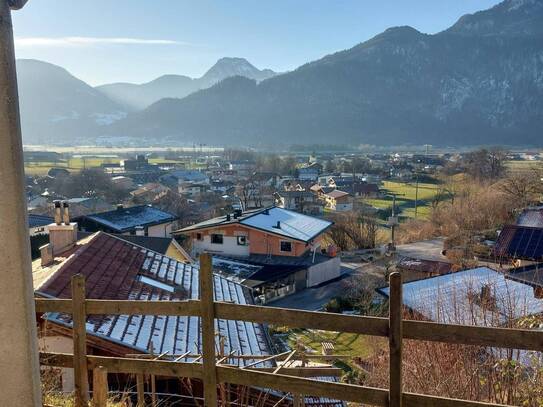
(479,82)
(56,106)
(136,97)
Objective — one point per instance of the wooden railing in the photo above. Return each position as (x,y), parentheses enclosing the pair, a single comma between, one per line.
(211,373)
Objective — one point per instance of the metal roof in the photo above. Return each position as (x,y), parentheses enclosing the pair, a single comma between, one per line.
(117,269)
(532,217)
(456,298)
(35,221)
(124,219)
(292,224)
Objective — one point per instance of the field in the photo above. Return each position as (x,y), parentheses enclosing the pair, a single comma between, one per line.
(405,198)
(75,164)
(525,165)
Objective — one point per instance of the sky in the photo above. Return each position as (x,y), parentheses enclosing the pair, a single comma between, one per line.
(104,41)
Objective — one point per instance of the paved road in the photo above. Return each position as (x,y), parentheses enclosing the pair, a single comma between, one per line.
(312,299)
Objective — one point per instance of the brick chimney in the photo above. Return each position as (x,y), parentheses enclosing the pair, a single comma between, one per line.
(62,233)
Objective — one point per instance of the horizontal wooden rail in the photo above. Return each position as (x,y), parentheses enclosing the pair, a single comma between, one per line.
(374,326)
(116,365)
(257,378)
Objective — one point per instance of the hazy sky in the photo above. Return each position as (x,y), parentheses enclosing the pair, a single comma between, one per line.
(103,41)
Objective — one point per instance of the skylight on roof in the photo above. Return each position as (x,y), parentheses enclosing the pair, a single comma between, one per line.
(156,284)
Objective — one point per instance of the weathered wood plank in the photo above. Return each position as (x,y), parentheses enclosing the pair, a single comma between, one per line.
(420,330)
(298,385)
(395,340)
(99,387)
(81,378)
(303,319)
(140,388)
(474,335)
(208,330)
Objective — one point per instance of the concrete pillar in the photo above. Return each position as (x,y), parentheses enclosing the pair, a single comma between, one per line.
(19,365)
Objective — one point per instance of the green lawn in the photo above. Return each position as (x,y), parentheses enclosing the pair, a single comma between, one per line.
(405,198)
(344,343)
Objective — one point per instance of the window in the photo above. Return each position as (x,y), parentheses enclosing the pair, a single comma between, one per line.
(286,246)
(242,240)
(198,236)
(216,238)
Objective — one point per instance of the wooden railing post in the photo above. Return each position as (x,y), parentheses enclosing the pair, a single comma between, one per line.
(99,387)
(208,330)
(79,317)
(140,386)
(395,340)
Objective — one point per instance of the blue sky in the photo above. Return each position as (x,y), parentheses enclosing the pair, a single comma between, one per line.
(103,41)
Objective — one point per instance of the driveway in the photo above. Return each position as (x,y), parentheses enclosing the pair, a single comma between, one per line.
(312,299)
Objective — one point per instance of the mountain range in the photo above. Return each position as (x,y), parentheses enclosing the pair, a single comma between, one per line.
(478,82)
(139,96)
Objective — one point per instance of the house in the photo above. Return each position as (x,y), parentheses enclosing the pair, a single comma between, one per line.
(221,187)
(480,296)
(242,167)
(531,217)
(271,235)
(179,179)
(193,189)
(139,274)
(305,202)
(123,182)
(416,269)
(338,201)
(149,192)
(309,173)
(127,221)
(37,224)
(268,231)
(365,190)
(86,205)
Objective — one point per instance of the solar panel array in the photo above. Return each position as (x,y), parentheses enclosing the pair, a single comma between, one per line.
(520,242)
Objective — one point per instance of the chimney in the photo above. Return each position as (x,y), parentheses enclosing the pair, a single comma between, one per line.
(120,207)
(228,217)
(140,231)
(46,254)
(487,296)
(62,236)
(66,214)
(58,213)
(278,225)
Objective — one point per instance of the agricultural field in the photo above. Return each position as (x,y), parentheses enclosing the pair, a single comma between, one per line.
(75,164)
(524,165)
(405,198)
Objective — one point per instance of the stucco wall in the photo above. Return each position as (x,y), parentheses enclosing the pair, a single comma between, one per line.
(259,242)
(319,273)
(60,344)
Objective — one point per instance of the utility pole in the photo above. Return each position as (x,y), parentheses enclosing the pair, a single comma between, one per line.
(393,222)
(416,193)
(19,364)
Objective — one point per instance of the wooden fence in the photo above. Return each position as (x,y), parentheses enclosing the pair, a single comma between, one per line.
(211,373)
